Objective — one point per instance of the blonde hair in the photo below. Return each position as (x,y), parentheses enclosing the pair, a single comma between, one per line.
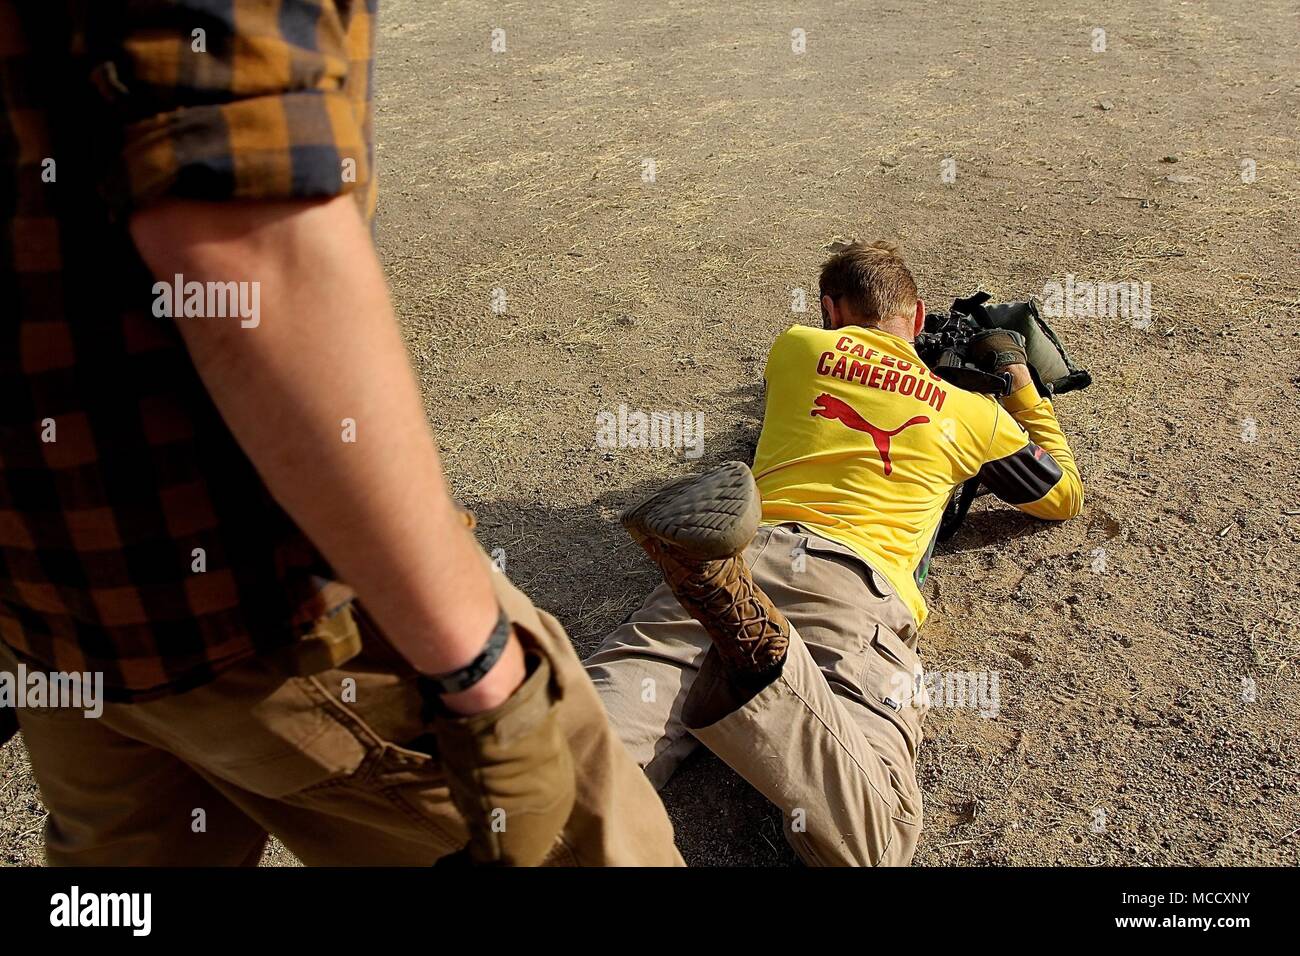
(872,278)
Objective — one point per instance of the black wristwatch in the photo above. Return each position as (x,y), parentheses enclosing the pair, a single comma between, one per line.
(453,682)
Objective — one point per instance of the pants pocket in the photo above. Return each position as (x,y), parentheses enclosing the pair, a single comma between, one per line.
(253,728)
(399,787)
(394,809)
(892,682)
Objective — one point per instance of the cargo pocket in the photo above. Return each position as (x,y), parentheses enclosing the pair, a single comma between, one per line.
(405,779)
(257,730)
(401,771)
(264,731)
(893,682)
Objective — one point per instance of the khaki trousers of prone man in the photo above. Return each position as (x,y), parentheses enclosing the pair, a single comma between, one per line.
(831,741)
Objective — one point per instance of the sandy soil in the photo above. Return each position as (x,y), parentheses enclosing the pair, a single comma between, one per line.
(1148,651)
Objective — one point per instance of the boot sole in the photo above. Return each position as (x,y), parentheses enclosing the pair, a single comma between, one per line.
(709,516)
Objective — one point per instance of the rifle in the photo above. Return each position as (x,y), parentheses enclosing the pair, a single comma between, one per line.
(943,346)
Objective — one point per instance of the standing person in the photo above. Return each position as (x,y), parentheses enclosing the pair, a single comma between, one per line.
(790,649)
(208,423)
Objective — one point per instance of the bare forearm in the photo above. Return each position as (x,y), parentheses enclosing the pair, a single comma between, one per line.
(320,395)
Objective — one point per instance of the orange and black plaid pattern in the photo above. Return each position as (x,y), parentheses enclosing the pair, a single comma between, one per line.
(136,538)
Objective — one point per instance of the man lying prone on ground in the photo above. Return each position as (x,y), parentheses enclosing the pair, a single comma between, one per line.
(790,649)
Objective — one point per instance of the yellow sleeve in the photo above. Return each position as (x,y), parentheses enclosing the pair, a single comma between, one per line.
(1029,463)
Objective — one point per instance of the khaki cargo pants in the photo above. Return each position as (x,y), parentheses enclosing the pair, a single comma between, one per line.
(832,741)
(200,778)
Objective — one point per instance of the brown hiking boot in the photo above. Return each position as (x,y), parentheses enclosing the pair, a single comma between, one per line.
(695,530)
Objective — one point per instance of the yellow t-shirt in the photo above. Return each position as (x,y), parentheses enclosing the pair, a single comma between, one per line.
(864,445)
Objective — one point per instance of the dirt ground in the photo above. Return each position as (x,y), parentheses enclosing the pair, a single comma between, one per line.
(1148,652)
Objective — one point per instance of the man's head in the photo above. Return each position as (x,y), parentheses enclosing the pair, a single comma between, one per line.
(868,284)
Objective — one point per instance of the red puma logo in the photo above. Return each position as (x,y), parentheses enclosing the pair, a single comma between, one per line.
(828,406)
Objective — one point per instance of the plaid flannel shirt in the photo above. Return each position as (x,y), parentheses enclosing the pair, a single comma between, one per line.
(118,478)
